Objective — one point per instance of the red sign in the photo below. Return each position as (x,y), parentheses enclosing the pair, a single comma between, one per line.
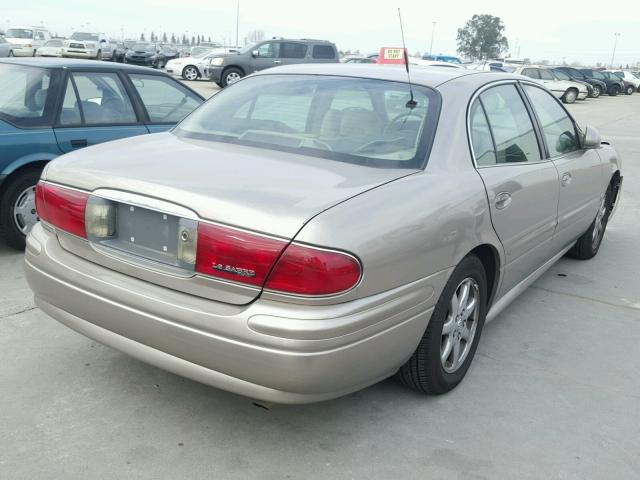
(391,55)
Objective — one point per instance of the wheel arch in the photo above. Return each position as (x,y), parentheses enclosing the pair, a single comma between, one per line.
(490,259)
(11,174)
(227,67)
(191,65)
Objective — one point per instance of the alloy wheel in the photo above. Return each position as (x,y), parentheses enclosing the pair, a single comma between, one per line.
(24,210)
(232,77)
(459,328)
(190,73)
(599,224)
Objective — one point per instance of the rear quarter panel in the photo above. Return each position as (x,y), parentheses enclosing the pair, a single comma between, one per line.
(19,147)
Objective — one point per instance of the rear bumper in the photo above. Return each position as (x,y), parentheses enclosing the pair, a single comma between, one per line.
(583,95)
(20,51)
(267,350)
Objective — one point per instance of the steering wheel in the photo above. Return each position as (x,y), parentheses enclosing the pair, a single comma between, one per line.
(402,117)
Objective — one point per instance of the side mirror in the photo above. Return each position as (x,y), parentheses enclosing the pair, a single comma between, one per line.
(591,137)
(255,53)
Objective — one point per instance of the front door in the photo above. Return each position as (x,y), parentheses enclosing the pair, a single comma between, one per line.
(96,109)
(579,170)
(522,188)
(268,56)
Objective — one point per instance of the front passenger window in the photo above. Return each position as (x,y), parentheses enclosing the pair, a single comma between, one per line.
(513,133)
(269,50)
(558,129)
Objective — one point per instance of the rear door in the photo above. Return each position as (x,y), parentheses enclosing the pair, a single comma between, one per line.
(579,170)
(293,52)
(96,108)
(165,101)
(324,54)
(522,187)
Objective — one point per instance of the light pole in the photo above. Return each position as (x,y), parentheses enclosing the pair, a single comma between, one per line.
(433,29)
(615,44)
(237,22)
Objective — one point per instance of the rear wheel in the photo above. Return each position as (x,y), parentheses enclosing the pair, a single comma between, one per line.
(596,91)
(18,208)
(570,95)
(588,244)
(449,343)
(614,90)
(629,89)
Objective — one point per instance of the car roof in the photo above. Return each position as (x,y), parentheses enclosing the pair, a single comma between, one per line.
(53,62)
(420,75)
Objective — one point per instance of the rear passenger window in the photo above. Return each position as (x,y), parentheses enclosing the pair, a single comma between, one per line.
(531,73)
(481,137)
(558,129)
(103,99)
(545,74)
(70,114)
(515,139)
(293,50)
(323,52)
(166,101)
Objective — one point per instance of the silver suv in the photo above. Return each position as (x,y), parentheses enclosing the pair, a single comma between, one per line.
(229,68)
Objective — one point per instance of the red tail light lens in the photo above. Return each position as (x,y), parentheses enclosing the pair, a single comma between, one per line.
(236,255)
(305,270)
(62,207)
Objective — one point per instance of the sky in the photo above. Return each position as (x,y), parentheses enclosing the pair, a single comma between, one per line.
(542,30)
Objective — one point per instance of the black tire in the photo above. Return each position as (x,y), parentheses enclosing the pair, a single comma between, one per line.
(11,53)
(9,231)
(229,73)
(629,89)
(597,91)
(586,247)
(570,95)
(99,55)
(614,91)
(424,371)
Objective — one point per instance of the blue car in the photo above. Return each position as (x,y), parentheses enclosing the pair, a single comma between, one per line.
(443,58)
(49,107)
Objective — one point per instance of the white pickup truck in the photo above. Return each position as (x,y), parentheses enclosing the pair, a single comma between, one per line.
(89,45)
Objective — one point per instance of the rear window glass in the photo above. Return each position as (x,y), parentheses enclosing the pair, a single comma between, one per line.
(23,94)
(323,51)
(353,120)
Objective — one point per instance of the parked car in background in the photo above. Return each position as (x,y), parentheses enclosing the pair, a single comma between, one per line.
(359,60)
(6,48)
(170,52)
(53,106)
(89,45)
(227,69)
(432,63)
(567,90)
(560,75)
(599,86)
(309,231)
(614,85)
(199,50)
(52,48)
(120,52)
(628,77)
(442,58)
(189,68)
(491,66)
(146,54)
(26,40)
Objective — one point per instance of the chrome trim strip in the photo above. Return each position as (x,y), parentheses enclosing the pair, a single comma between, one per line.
(144,201)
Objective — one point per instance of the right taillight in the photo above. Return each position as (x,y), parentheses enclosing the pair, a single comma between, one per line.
(303,270)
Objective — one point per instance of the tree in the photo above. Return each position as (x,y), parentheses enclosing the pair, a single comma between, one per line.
(164,37)
(209,39)
(481,38)
(253,36)
(193,40)
(184,39)
(173,38)
(198,40)
(142,37)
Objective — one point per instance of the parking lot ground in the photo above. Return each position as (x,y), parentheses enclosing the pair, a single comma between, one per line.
(553,393)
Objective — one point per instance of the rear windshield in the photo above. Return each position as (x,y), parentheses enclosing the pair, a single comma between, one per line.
(354,120)
(23,94)
(85,36)
(19,33)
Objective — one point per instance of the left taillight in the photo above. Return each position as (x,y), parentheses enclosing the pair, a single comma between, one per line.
(62,207)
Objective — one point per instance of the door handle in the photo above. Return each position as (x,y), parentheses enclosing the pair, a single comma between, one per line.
(276,62)
(503,200)
(566,179)
(79,143)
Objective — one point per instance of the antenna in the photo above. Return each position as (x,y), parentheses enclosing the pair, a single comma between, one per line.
(411,104)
